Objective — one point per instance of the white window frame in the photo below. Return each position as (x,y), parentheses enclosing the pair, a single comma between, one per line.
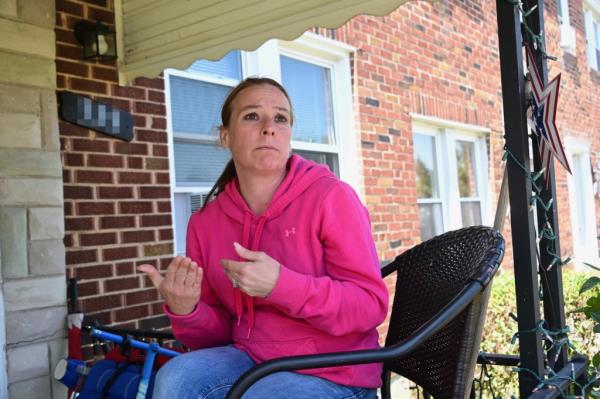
(591,13)
(566,30)
(446,134)
(264,61)
(589,252)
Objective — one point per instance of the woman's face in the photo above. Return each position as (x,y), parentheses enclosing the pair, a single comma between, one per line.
(259,131)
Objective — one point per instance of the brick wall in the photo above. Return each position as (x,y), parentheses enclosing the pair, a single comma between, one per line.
(434,59)
(117,195)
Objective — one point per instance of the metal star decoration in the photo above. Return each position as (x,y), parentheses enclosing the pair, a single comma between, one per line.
(544,102)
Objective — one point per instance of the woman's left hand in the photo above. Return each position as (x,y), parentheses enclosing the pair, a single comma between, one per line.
(256,276)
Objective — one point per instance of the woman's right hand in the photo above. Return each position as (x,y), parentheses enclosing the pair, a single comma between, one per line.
(180,287)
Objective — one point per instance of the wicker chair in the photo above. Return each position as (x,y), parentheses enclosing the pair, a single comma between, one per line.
(442,288)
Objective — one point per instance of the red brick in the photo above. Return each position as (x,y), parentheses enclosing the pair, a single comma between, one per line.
(157,163)
(68,208)
(77,192)
(76,224)
(130,148)
(69,52)
(96,239)
(103,302)
(119,253)
(81,256)
(70,129)
(96,208)
(164,206)
(131,313)
(88,86)
(105,161)
(137,236)
(71,68)
(159,123)
(165,234)
(135,207)
(162,178)
(69,7)
(109,74)
(65,36)
(134,177)
(135,163)
(156,220)
(68,240)
(93,272)
(155,192)
(114,192)
(88,288)
(156,96)
(124,268)
(153,136)
(129,92)
(93,176)
(160,150)
(90,145)
(106,16)
(155,83)
(149,108)
(70,159)
(120,284)
(116,222)
(133,298)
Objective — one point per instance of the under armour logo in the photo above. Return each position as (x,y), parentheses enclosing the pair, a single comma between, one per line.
(288,232)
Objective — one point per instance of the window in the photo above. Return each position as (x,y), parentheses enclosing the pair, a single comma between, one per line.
(581,202)
(592,32)
(316,73)
(451,166)
(566,30)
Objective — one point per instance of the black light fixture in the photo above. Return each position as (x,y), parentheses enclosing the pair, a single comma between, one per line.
(99,42)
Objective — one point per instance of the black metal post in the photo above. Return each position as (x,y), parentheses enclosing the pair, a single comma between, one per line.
(522,223)
(551,280)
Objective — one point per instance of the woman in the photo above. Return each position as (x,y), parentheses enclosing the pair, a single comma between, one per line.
(281,263)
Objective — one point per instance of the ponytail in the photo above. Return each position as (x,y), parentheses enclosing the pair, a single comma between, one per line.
(228,174)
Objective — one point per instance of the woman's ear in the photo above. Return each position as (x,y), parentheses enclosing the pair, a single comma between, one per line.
(224,136)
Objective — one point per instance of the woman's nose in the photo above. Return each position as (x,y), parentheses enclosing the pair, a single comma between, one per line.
(268,129)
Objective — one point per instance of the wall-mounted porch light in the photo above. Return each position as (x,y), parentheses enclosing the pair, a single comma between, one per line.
(99,43)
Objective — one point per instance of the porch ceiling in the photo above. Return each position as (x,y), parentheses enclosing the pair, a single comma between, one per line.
(159,34)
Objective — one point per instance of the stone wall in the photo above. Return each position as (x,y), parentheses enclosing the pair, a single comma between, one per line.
(31,202)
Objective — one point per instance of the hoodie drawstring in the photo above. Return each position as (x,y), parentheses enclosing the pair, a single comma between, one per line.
(238,294)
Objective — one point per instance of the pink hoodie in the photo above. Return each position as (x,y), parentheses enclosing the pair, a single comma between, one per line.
(329,296)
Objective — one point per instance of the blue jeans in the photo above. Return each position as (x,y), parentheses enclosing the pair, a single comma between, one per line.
(210,373)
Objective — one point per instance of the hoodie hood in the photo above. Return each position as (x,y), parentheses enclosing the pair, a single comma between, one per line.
(301,174)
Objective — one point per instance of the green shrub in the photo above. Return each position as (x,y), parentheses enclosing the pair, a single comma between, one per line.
(500,327)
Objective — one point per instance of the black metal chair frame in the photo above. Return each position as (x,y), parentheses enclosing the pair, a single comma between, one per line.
(474,288)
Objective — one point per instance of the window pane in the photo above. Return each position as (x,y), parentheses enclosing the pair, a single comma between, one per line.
(309,87)
(430,216)
(427,180)
(196,106)
(465,163)
(471,213)
(198,164)
(229,66)
(328,159)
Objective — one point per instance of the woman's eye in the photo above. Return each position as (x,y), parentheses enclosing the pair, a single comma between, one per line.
(281,118)
(251,116)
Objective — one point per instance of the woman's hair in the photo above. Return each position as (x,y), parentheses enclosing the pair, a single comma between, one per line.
(229,173)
